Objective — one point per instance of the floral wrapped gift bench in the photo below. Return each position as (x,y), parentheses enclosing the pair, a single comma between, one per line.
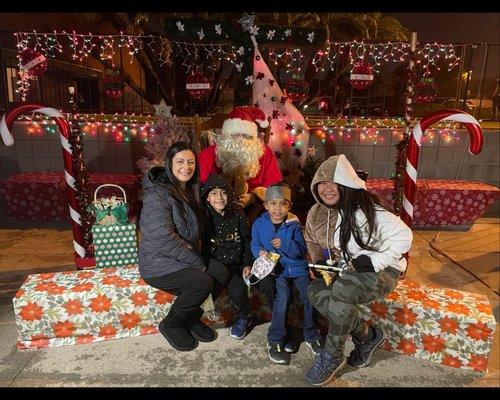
(446,326)
(77,307)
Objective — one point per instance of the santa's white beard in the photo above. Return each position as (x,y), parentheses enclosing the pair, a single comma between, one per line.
(236,155)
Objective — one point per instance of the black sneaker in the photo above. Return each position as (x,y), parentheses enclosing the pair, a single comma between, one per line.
(290,346)
(362,353)
(277,354)
(315,346)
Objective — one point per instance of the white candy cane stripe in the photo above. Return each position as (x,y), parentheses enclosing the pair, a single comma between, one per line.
(70,180)
(417,133)
(463,118)
(75,216)
(7,137)
(411,171)
(79,249)
(65,144)
(407,206)
(51,112)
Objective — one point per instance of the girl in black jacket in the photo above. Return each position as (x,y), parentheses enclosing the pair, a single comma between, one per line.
(169,257)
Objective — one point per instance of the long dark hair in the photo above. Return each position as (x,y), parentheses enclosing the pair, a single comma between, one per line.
(192,193)
(350,201)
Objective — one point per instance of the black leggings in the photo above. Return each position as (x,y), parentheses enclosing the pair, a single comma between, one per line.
(231,278)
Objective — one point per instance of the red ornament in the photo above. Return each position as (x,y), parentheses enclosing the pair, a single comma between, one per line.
(114,86)
(33,62)
(425,91)
(297,90)
(361,75)
(197,85)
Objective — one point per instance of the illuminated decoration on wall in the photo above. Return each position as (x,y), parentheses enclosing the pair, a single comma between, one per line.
(197,85)
(425,91)
(114,87)
(297,90)
(361,75)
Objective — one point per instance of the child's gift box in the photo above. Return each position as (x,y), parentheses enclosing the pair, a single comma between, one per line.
(114,245)
(446,326)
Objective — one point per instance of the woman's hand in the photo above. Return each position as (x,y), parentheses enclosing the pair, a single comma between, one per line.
(247,271)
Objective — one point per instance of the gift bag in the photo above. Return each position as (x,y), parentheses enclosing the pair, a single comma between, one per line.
(262,266)
(115,240)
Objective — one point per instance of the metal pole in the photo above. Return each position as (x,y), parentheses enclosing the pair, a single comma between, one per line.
(469,73)
(481,82)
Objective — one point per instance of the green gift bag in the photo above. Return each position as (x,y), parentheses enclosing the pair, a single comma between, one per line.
(115,240)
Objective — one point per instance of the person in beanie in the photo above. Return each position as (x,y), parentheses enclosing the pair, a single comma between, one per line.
(242,157)
(226,247)
(372,241)
(169,256)
(279,231)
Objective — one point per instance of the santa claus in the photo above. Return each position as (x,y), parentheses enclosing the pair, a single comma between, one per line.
(241,156)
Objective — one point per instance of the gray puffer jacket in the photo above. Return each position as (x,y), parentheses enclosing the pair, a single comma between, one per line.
(170,229)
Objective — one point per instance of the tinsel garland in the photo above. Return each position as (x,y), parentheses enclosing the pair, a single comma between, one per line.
(82,189)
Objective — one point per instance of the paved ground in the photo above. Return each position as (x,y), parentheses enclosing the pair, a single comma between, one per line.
(149,361)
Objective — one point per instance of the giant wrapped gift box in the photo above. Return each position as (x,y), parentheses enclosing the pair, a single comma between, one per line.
(446,326)
(77,307)
(441,202)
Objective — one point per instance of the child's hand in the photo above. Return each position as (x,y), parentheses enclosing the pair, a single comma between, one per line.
(247,271)
(276,243)
(262,253)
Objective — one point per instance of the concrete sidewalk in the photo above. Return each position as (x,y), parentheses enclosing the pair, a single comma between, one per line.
(149,361)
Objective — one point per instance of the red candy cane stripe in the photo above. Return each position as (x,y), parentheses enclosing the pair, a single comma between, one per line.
(69,171)
(410,180)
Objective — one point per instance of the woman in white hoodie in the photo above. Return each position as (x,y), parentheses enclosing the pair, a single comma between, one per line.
(372,241)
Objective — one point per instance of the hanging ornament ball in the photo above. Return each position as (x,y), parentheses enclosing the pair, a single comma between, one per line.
(425,91)
(197,85)
(361,75)
(114,86)
(297,90)
(33,62)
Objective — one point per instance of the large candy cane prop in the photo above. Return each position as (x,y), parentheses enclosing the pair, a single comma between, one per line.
(69,171)
(410,181)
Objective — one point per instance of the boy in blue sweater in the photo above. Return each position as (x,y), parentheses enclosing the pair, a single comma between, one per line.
(279,231)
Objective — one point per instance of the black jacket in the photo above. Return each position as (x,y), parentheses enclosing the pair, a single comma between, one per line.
(170,229)
(226,237)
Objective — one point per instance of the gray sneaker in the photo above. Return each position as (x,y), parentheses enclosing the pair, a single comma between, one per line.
(362,353)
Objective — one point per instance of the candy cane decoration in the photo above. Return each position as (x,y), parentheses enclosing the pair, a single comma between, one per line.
(69,171)
(410,182)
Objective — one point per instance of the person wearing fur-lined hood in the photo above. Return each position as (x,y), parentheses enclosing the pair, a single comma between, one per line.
(355,228)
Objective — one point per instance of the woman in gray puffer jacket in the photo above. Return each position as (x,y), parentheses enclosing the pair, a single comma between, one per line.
(169,257)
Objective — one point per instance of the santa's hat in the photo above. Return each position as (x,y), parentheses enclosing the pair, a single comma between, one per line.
(244,120)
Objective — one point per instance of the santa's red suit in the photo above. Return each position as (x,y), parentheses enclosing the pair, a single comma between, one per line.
(269,171)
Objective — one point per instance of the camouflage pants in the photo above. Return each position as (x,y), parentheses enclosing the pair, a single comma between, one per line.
(339,301)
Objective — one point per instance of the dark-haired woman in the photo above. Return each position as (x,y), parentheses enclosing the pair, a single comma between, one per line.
(372,241)
(169,257)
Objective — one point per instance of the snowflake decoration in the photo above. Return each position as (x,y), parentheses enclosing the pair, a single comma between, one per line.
(298,153)
(310,37)
(260,76)
(270,34)
(201,34)
(311,151)
(180,26)
(218,29)
(162,110)
(254,30)
(249,80)
(277,154)
(239,66)
(271,82)
(247,21)
(240,51)
(288,32)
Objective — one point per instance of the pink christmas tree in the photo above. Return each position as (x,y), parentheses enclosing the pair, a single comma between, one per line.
(167,131)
